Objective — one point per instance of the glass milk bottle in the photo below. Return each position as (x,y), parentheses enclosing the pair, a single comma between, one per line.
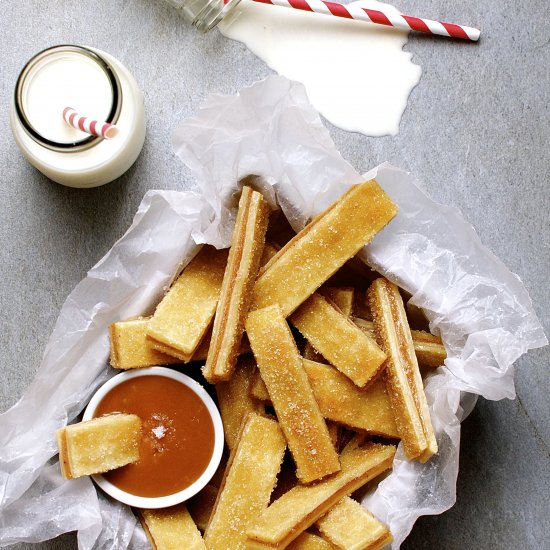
(203,14)
(96,85)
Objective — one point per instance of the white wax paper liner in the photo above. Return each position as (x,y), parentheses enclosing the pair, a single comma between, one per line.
(269,130)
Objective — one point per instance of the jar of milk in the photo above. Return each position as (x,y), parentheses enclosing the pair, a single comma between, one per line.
(96,85)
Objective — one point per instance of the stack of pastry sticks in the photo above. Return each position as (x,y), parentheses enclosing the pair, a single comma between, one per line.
(299,362)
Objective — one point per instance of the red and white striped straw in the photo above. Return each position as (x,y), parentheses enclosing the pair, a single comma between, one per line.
(405,22)
(88,125)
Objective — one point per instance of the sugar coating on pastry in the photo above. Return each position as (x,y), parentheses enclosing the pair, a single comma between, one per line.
(131,349)
(429,349)
(309,541)
(317,252)
(341,342)
(235,400)
(349,525)
(171,529)
(184,315)
(340,400)
(403,380)
(250,476)
(99,445)
(300,507)
(281,368)
(247,245)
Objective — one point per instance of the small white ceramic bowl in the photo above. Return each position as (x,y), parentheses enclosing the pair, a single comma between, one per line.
(194,488)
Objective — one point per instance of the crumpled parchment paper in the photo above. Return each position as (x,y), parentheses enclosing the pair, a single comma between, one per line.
(269,130)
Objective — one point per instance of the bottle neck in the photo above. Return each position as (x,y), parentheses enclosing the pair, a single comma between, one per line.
(204,14)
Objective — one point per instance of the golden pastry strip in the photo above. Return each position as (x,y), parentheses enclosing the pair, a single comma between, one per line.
(309,541)
(404,383)
(98,445)
(429,350)
(185,313)
(311,354)
(341,342)
(335,432)
(282,370)
(257,388)
(361,308)
(342,401)
(130,348)
(349,525)
(177,354)
(250,477)
(201,353)
(171,529)
(247,245)
(201,505)
(300,507)
(315,253)
(235,400)
(342,298)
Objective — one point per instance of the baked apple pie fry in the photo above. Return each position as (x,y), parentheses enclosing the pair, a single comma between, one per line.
(185,313)
(403,379)
(250,477)
(130,348)
(247,245)
(201,505)
(257,388)
(303,505)
(338,340)
(235,400)
(282,370)
(317,252)
(349,525)
(171,528)
(342,298)
(340,400)
(309,541)
(201,353)
(98,445)
(430,351)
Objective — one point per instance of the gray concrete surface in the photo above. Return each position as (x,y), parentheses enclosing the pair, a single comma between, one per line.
(476,132)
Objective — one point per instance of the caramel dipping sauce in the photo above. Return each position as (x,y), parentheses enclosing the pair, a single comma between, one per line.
(177,438)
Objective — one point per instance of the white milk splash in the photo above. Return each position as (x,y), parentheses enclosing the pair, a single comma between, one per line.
(356,74)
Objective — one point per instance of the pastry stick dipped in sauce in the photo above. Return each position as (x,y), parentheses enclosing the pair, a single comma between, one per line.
(99,445)
(178,433)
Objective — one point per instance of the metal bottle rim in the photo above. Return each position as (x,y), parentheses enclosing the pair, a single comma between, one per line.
(87,142)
